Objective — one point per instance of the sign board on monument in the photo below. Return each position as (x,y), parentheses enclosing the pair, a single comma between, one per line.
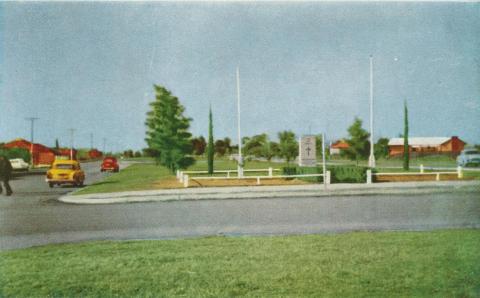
(308,152)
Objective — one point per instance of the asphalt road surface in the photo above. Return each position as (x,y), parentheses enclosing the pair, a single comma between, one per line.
(33,216)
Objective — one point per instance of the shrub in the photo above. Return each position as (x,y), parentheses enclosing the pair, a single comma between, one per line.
(348,174)
(339,174)
(11,153)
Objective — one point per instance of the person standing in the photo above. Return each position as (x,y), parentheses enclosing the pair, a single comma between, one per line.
(5,174)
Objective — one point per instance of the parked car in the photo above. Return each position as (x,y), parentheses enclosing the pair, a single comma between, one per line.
(18,164)
(109,164)
(469,157)
(65,172)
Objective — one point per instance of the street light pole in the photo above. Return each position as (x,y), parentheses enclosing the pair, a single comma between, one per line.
(371,159)
(72,130)
(32,120)
(240,159)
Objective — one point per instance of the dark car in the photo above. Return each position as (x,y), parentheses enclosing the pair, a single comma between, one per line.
(109,164)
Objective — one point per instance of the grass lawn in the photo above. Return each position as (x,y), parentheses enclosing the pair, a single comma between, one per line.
(148,176)
(365,264)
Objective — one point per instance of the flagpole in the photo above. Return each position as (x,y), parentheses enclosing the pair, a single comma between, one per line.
(371,159)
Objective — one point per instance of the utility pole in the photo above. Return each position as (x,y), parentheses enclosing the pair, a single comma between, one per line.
(371,159)
(32,120)
(72,130)
(240,159)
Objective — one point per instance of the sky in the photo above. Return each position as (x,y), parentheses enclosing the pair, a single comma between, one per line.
(303,67)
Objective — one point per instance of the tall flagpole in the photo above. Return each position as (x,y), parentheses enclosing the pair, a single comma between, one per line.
(240,159)
(371,159)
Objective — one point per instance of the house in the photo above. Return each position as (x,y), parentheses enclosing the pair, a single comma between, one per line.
(338,147)
(41,155)
(426,146)
(94,154)
(67,152)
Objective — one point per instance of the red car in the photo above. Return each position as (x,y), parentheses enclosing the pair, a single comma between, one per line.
(109,164)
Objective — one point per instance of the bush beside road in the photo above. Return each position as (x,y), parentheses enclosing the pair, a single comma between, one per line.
(440,263)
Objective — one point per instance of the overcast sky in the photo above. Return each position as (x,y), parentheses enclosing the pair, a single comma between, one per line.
(303,67)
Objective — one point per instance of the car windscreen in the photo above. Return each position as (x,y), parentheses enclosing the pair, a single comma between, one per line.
(64,166)
(112,160)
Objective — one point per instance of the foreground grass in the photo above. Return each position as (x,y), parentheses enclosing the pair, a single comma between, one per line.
(440,263)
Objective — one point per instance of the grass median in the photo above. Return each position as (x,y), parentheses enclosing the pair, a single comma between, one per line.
(363,264)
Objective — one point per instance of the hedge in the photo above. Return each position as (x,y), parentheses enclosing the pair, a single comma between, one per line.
(339,174)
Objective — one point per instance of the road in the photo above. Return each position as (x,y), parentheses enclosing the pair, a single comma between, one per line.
(33,216)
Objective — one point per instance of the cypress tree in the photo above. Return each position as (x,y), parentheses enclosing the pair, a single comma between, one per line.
(210,146)
(406,152)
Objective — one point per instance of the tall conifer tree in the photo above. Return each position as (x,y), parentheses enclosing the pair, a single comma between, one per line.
(167,131)
(406,152)
(210,146)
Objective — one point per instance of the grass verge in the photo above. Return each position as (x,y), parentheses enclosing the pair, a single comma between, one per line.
(364,264)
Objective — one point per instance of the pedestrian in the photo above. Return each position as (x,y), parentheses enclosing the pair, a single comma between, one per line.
(5,174)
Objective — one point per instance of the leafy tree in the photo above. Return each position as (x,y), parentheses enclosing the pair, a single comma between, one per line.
(288,146)
(228,145)
(199,144)
(138,154)
(256,144)
(358,142)
(210,148)
(167,131)
(220,147)
(270,149)
(406,151)
(381,148)
(128,153)
(149,152)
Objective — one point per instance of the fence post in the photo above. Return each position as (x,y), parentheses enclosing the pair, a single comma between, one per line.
(438,177)
(421,168)
(228,174)
(178,174)
(258,180)
(369,176)
(270,172)
(185,181)
(181,177)
(459,172)
(327,179)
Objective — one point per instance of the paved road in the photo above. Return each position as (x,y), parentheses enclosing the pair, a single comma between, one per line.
(34,217)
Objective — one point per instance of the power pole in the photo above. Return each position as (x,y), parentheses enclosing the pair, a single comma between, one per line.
(32,121)
(240,159)
(371,159)
(72,130)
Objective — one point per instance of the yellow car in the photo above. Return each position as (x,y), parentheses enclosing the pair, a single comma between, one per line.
(65,172)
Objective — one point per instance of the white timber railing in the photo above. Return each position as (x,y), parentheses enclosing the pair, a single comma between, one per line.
(184,178)
(437,174)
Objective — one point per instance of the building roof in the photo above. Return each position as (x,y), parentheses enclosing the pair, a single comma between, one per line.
(340,144)
(420,142)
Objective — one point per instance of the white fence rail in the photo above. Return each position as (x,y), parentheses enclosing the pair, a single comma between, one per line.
(458,172)
(186,179)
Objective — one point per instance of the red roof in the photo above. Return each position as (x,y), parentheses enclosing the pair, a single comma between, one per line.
(340,144)
(21,143)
